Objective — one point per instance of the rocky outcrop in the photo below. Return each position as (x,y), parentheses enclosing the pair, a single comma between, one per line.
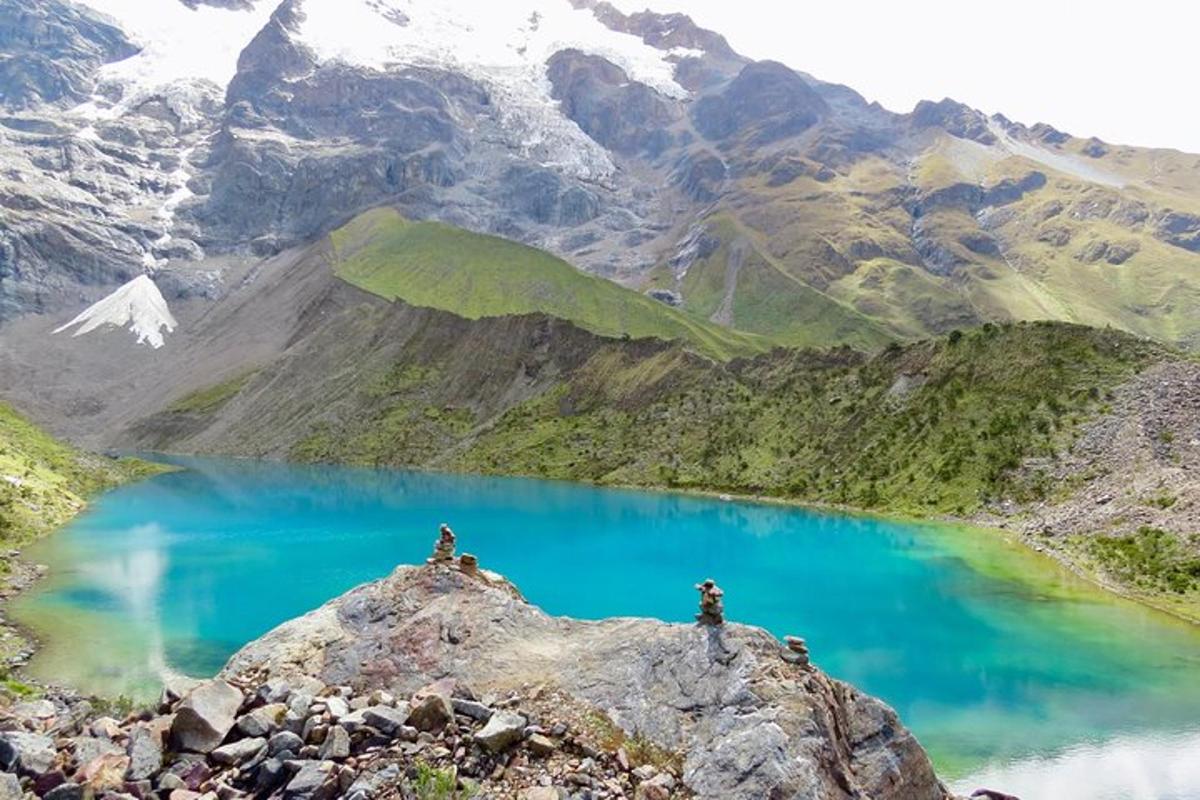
(744,721)
(623,115)
(50,50)
(955,118)
(764,103)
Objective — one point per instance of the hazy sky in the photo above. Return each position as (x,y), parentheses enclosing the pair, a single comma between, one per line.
(1126,72)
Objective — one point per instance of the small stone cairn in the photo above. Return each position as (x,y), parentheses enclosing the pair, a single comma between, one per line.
(443,553)
(443,548)
(712,609)
(795,651)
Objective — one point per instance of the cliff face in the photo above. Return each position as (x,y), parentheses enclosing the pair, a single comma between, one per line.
(746,722)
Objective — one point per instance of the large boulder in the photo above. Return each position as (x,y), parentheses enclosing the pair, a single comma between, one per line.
(205,716)
(145,751)
(746,723)
(502,731)
(28,753)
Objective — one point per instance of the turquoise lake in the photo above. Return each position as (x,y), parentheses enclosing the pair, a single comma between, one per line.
(1011,671)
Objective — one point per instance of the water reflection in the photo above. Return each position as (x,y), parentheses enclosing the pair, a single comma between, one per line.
(1127,768)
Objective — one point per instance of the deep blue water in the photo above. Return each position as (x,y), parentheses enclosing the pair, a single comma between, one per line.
(992,655)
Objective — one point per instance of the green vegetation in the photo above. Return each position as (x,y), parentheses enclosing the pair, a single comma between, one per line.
(936,427)
(1151,559)
(19,690)
(212,398)
(740,285)
(607,735)
(931,427)
(472,275)
(43,483)
(431,783)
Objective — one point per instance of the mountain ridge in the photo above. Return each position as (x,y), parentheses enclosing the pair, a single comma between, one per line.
(919,222)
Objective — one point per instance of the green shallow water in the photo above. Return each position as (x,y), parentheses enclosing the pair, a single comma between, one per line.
(1007,667)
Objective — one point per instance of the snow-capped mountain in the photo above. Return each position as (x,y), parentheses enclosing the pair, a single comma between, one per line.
(176,137)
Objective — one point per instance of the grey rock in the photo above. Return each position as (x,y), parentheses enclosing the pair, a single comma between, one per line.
(205,716)
(337,707)
(28,753)
(284,740)
(65,791)
(311,782)
(336,744)
(10,787)
(503,730)
(238,752)
(269,776)
(275,690)
(386,718)
(746,725)
(262,721)
(145,752)
(169,781)
(88,748)
(471,708)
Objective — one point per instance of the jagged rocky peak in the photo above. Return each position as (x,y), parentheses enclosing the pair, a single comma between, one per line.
(50,50)
(746,715)
(954,118)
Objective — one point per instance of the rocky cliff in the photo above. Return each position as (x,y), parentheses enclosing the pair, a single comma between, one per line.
(744,721)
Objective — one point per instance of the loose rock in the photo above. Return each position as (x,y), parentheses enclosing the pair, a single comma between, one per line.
(205,716)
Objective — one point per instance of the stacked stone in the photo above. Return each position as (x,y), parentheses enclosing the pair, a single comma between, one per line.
(712,606)
(795,651)
(443,548)
(298,739)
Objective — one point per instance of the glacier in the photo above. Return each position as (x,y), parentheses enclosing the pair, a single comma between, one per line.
(137,304)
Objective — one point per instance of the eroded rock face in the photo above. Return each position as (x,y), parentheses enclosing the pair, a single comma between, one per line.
(49,51)
(749,724)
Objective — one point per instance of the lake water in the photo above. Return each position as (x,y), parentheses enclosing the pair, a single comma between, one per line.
(1012,672)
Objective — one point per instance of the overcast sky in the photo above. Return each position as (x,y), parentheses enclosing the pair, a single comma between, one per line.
(1126,72)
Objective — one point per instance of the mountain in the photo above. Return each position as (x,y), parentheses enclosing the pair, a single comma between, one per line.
(187,140)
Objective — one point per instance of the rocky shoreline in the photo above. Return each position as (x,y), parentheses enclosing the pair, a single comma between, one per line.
(440,681)
(301,740)
(17,645)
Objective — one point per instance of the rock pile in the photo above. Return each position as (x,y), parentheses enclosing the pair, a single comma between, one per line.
(298,739)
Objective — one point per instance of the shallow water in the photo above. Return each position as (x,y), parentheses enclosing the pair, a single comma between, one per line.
(1008,668)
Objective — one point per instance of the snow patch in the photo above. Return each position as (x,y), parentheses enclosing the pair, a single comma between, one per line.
(503,46)
(178,44)
(138,304)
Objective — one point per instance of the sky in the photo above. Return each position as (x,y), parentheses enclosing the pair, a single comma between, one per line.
(1122,71)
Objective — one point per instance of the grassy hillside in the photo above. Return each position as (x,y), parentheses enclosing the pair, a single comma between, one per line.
(43,483)
(930,427)
(739,285)
(435,265)
(959,234)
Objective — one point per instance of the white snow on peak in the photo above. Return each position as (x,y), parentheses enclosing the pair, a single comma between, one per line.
(138,304)
(179,45)
(503,45)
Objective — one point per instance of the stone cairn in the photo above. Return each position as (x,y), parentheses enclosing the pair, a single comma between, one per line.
(443,548)
(795,651)
(712,609)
